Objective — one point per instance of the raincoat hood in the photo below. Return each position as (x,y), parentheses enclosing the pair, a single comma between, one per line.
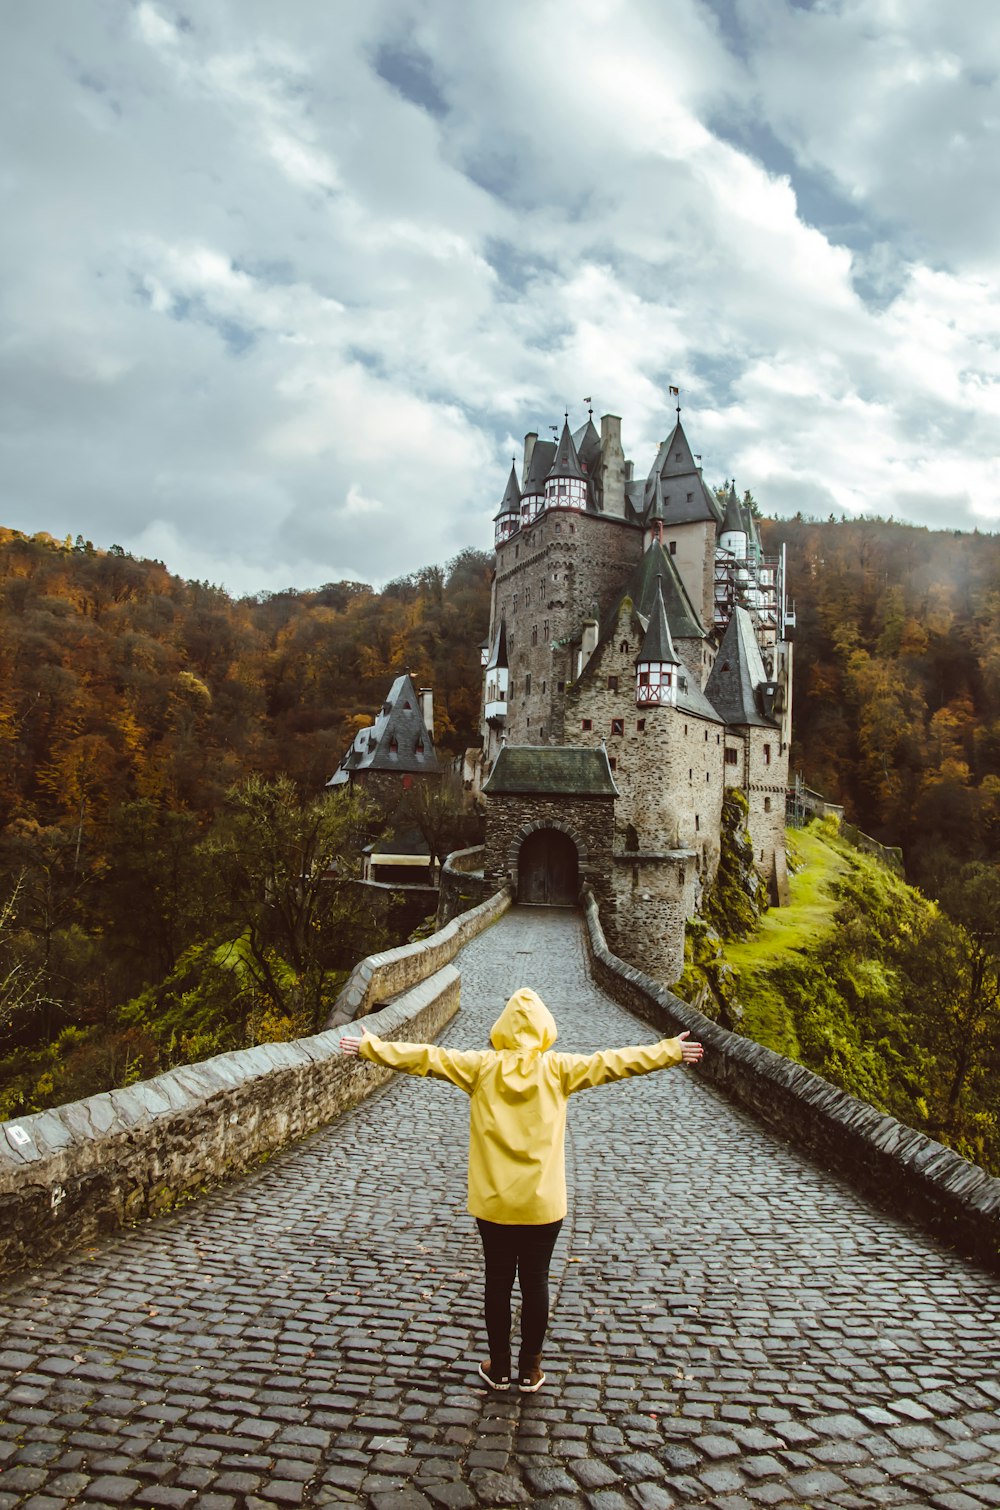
(524,1023)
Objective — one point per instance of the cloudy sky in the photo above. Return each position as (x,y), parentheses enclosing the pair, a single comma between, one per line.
(282,285)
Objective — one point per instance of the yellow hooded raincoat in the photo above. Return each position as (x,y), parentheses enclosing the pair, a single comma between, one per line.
(518,1092)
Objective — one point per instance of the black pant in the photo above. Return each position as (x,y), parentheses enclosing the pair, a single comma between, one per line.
(525,1251)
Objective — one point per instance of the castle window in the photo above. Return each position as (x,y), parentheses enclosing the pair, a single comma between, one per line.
(612,684)
(543,686)
(682,683)
(528,721)
(585,724)
(640,724)
(407,705)
(631,837)
(767,804)
(558,527)
(767,754)
(623,647)
(706,736)
(680,877)
(572,529)
(545,628)
(418,748)
(673,547)
(677,456)
(690,773)
(689,497)
(513,605)
(534,634)
(612,762)
(707,777)
(618,726)
(560,686)
(527,685)
(517,551)
(697,823)
(731,755)
(685,731)
(527,596)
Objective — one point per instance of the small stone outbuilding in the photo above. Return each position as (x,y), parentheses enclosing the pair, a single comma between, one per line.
(550,822)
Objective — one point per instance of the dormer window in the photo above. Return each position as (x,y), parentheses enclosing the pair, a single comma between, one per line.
(394,746)
(418,748)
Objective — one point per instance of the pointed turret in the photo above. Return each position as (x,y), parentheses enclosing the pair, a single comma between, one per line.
(566,484)
(657,664)
(566,462)
(733,536)
(508,518)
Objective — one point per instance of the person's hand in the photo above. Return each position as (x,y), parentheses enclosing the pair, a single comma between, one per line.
(690,1052)
(350,1046)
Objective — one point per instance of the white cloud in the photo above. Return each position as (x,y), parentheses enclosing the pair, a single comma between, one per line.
(265,315)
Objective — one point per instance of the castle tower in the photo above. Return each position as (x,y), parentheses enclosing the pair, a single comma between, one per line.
(657,666)
(688,516)
(508,517)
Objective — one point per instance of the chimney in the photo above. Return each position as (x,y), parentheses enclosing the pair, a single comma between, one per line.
(529,447)
(427,710)
(612,466)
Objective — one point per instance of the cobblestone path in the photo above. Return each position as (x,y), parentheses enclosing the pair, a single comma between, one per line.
(732,1327)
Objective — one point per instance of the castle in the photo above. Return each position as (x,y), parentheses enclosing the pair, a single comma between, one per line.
(638,664)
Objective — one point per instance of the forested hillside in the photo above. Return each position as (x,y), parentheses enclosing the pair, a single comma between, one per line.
(897,682)
(163,752)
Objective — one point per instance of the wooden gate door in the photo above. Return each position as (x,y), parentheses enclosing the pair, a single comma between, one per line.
(548,873)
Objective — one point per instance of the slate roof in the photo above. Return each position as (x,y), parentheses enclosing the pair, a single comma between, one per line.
(735,520)
(498,654)
(587,441)
(680,476)
(682,616)
(511,501)
(399,721)
(566,463)
(551,770)
(657,644)
(538,467)
(737,673)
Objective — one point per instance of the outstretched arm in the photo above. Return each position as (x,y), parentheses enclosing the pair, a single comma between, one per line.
(581,1072)
(459,1067)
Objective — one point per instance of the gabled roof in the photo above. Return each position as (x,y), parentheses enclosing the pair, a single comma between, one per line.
(682,616)
(686,498)
(657,644)
(398,740)
(538,467)
(738,672)
(551,770)
(511,501)
(566,463)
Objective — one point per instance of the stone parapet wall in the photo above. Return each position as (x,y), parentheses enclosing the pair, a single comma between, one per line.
(463,884)
(71,1174)
(897,1167)
(381,976)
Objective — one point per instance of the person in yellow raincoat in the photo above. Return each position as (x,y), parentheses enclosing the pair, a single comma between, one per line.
(517,1178)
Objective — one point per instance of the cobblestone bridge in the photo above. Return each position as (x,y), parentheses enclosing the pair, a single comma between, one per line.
(732,1326)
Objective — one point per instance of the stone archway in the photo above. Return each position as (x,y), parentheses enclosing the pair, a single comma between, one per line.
(548,869)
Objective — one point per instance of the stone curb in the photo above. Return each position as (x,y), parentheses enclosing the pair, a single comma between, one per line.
(73,1173)
(380,976)
(900,1169)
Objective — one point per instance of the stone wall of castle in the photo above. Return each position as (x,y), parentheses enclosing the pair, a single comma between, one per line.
(589,822)
(761,771)
(551,576)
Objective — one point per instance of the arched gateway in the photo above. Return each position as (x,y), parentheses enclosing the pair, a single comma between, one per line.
(548,869)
